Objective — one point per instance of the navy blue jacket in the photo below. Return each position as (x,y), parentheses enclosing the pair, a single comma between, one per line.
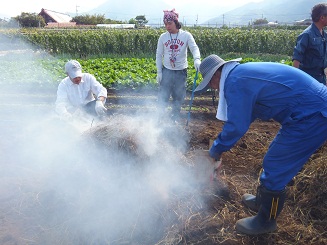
(310,51)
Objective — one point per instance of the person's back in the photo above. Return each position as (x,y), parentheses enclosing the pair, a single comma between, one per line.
(267,90)
(273,90)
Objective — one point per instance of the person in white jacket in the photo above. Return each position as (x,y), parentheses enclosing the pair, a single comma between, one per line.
(171,62)
(79,91)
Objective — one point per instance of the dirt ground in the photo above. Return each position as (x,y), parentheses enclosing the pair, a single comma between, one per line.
(240,171)
(214,224)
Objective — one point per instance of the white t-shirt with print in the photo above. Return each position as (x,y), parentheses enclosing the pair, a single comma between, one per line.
(174,47)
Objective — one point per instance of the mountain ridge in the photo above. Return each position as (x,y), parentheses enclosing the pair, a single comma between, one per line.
(281,11)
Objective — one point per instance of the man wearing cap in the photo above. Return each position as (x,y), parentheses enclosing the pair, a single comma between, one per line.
(80,91)
(267,90)
(171,62)
(310,51)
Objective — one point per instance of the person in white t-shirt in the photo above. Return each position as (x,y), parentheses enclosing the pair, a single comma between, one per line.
(80,91)
(171,62)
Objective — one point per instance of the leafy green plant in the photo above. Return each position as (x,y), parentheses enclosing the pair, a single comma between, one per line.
(101,42)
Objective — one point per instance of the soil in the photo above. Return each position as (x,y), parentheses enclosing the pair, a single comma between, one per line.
(239,174)
(215,225)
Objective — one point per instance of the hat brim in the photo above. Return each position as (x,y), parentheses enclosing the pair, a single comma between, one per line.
(204,85)
(74,74)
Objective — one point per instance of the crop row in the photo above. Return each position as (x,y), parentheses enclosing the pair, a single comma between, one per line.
(133,43)
(114,72)
(125,58)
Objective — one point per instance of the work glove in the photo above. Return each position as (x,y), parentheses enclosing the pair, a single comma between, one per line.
(216,170)
(99,108)
(159,77)
(197,63)
(215,165)
(66,116)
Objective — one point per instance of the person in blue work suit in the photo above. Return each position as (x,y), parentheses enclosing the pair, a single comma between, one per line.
(266,90)
(310,51)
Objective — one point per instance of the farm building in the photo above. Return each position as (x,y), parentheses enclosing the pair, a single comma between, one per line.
(305,22)
(56,19)
(117,26)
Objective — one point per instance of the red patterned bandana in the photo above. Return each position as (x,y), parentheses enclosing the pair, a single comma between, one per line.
(170,15)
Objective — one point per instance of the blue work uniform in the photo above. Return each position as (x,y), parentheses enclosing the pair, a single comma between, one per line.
(310,51)
(266,90)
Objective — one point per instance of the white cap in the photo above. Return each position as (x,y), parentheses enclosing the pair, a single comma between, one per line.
(73,68)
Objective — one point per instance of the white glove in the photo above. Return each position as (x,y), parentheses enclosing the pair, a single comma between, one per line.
(197,63)
(66,116)
(99,108)
(159,77)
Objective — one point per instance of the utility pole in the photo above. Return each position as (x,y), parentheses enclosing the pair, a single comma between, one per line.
(77,10)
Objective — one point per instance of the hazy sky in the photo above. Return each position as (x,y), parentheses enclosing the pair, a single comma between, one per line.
(207,8)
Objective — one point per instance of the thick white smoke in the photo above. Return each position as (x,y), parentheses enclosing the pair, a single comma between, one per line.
(61,183)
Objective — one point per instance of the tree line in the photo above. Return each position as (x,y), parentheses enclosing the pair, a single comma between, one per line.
(26,20)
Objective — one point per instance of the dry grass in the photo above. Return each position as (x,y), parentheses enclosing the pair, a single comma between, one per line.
(204,216)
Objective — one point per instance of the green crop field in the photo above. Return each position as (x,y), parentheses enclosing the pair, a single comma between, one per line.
(126,58)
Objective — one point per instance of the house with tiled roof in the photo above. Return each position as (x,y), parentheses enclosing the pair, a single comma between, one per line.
(56,19)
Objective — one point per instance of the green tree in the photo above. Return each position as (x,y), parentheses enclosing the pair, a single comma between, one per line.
(140,21)
(110,21)
(260,22)
(30,20)
(132,21)
(89,19)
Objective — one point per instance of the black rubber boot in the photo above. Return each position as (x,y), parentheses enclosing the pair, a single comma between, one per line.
(251,201)
(272,203)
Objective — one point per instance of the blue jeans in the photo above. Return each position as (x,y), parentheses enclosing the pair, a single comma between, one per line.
(173,83)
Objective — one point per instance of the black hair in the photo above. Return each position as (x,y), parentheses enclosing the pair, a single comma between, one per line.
(178,24)
(318,10)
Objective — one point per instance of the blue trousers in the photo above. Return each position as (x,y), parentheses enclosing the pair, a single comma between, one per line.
(291,149)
